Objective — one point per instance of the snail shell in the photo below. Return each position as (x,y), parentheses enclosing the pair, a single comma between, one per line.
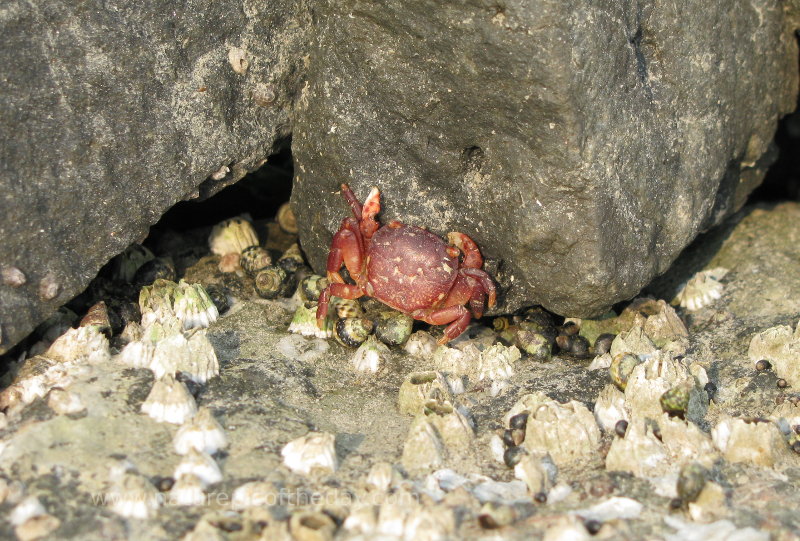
(603,343)
(149,272)
(311,287)
(353,331)
(537,314)
(270,282)
(97,316)
(501,323)
(691,480)
(255,258)
(292,259)
(393,328)
(219,297)
(286,219)
(622,366)
(579,346)
(534,344)
(675,401)
(347,307)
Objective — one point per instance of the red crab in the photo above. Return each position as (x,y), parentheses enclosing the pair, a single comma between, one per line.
(408,268)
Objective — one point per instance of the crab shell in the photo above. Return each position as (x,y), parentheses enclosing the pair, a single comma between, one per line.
(409,268)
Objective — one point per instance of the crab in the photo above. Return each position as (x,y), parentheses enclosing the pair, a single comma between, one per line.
(407,268)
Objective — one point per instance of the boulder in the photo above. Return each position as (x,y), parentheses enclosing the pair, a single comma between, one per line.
(582,145)
(113,111)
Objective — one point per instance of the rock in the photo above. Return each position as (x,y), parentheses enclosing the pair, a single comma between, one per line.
(552,133)
(115,112)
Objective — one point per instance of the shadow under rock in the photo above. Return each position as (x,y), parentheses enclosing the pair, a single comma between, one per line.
(696,256)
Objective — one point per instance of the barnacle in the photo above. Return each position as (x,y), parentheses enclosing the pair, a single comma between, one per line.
(201,465)
(133,496)
(187,490)
(169,401)
(201,433)
(232,236)
(702,289)
(313,451)
(369,355)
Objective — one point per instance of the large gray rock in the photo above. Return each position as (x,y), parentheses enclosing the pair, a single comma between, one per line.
(583,144)
(554,134)
(112,111)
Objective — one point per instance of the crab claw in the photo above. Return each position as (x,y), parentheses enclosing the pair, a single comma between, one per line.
(472,255)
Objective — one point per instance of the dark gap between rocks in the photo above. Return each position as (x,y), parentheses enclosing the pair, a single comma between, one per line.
(180,235)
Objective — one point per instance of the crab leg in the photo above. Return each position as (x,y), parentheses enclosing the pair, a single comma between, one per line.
(472,255)
(468,289)
(457,316)
(352,200)
(347,249)
(483,278)
(344,291)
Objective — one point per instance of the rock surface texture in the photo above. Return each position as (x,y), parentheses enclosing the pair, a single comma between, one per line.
(112,112)
(289,426)
(582,146)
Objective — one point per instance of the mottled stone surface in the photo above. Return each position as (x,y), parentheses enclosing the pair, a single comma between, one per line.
(274,387)
(111,112)
(582,145)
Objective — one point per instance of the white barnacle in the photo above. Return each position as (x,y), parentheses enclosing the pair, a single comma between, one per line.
(421,344)
(424,447)
(315,450)
(304,323)
(193,307)
(155,301)
(26,509)
(187,490)
(496,366)
(201,364)
(201,433)
(753,442)
(133,496)
(169,354)
(381,476)
(567,432)
(65,402)
(169,401)
(702,289)
(537,472)
(200,465)
(125,265)
(609,408)
(84,344)
(36,377)
(369,355)
(255,494)
(362,520)
(232,236)
(306,525)
(138,354)
(422,390)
